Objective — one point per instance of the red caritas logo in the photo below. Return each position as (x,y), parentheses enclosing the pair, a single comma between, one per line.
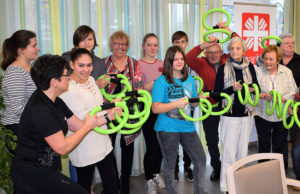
(255,27)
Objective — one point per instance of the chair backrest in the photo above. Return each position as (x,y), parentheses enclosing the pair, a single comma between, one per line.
(259,178)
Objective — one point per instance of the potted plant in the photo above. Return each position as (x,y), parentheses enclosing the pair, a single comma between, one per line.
(7,143)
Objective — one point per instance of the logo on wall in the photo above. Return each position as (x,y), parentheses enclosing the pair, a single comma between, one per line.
(255,27)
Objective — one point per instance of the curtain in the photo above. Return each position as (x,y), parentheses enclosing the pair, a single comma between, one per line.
(54,22)
(291,20)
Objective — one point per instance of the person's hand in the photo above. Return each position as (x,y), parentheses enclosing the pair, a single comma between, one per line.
(90,121)
(290,111)
(251,89)
(212,41)
(237,86)
(268,97)
(117,100)
(181,103)
(201,95)
(283,99)
(262,95)
(221,26)
(113,111)
(102,83)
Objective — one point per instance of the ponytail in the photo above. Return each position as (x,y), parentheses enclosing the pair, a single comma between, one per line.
(20,39)
(9,54)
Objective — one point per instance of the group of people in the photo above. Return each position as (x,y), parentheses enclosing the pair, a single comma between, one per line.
(47,106)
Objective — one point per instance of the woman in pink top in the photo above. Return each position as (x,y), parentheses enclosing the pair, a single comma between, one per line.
(151,69)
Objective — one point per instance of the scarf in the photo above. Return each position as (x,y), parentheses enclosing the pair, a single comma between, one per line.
(230,78)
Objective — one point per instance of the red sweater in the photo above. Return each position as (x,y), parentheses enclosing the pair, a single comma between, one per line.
(201,66)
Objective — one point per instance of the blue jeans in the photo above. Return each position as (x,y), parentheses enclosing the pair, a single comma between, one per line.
(190,142)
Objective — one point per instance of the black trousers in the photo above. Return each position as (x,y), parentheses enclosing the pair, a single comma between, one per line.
(270,133)
(107,170)
(296,149)
(153,156)
(211,129)
(126,162)
(47,183)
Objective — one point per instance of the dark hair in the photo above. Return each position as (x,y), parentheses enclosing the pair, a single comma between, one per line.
(168,64)
(145,39)
(19,39)
(81,33)
(45,68)
(179,35)
(77,52)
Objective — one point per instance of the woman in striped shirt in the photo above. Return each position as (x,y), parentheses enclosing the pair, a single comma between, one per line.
(17,86)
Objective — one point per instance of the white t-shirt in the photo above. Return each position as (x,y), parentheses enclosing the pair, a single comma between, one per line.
(81,99)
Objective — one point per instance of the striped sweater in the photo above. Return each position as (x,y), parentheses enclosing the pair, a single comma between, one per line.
(17,87)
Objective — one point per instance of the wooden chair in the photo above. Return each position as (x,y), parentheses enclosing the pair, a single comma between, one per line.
(259,178)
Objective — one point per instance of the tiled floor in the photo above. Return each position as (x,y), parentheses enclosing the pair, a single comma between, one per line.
(137,184)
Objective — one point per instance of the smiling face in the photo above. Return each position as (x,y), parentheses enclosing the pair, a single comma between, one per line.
(214,54)
(119,47)
(31,52)
(82,68)
(178,63)
(150,47)
(88,43)
(236,51)
(287,46)
(270,62)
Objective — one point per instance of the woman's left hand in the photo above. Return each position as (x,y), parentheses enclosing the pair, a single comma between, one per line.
(237,86)
(102,83)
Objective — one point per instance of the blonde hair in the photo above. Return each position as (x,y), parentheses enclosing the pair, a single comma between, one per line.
(273,48)
(118,35)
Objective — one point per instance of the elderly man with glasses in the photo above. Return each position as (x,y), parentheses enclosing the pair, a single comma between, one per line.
(292,61)
(206,67)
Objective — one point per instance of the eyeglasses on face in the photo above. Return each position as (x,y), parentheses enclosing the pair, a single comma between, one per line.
(213,53)
(117,44)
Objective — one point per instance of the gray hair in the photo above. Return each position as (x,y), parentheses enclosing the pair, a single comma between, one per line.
(287,35)
(237,39)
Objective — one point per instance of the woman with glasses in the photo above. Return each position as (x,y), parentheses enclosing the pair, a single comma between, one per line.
(236,124)
(43,126)
(272,136)
(120,63)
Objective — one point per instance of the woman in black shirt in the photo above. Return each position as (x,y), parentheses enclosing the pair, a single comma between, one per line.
(43,125)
